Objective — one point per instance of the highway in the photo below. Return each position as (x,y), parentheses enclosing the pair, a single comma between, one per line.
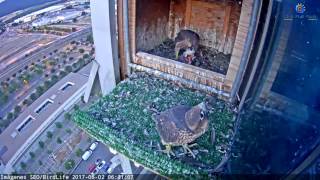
(43,51)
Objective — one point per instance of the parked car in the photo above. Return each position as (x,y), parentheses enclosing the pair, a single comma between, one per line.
(107,166)
(101,164)
(110,169)
(86,155)
(93,146)
(95,171)
(91,168)
(98,161)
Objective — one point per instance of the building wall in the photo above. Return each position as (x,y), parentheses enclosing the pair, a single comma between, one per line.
(215,21)
(103,46)
(239,45)
(152,19)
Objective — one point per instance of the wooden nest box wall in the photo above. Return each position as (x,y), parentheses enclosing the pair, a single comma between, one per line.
(221,24)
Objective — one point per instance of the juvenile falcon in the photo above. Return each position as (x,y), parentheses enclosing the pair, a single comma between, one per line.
(181,125)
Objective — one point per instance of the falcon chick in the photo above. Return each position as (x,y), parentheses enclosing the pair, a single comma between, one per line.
(181,125)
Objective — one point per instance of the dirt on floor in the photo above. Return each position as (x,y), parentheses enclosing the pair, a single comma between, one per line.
(205,57)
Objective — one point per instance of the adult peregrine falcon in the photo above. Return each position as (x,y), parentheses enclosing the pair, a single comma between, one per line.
(188,41)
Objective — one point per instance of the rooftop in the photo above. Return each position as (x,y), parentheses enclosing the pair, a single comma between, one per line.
(27,123)
(123,121)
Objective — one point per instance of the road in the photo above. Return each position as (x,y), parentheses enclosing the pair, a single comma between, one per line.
(39,53)
(16,99)
(102,152)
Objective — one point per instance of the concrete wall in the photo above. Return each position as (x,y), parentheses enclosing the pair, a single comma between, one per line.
(103,47)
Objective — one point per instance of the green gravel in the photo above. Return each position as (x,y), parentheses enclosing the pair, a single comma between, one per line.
(123,120)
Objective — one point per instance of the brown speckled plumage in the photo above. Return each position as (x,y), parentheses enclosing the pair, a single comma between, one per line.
(181,124)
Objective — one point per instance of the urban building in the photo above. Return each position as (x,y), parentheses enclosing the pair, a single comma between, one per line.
(29,125)
(32,16)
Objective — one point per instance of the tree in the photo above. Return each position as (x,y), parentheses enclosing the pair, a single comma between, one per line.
(67,116)
(10,116)
(92,51)
(69,131)
(47,84)
(62,74)
(82,62)
(13,86)
(38,71)
(3,98)
(59,141)
(90,38)
(54,78)
(39,90)
(76,107)
(52,63)
(26,102)
(58,125)
(40,162)
(68,68)
(69,164)
(23,165)
(41,144)
(81,50)
(74,65)
(86,56)
(79,152)
(17,109)
(49,134)
(33,96)
(32,155)
(5,123)
(52,70)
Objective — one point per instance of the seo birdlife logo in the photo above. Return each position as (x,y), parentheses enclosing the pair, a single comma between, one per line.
(300,8)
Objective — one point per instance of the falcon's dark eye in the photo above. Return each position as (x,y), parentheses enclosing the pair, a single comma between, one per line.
(201,115)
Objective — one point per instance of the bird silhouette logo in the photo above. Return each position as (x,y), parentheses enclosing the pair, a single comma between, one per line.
(300,8)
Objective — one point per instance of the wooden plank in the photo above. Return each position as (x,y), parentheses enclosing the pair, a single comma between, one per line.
(188,13)
(226,20)
(208,5)
(123,63)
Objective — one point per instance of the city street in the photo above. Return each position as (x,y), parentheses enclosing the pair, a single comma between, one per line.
(18,97)
(39,53)
(102,152)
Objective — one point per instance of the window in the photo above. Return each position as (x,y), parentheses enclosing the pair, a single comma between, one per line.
(66,86)
(43,106)
(24,124)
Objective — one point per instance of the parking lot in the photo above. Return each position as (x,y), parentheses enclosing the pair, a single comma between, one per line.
(101,152)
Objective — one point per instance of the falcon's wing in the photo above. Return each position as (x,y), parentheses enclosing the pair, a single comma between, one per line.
(166,128)
(170,122)
(177,115)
